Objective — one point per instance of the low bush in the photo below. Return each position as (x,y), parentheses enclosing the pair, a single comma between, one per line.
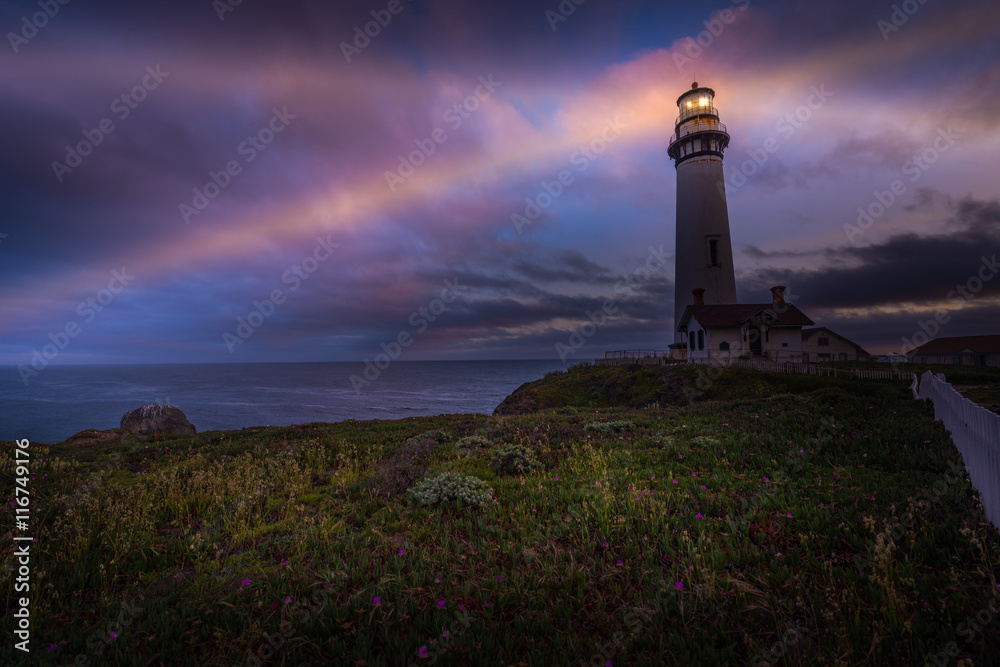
(515,460)
(452,487)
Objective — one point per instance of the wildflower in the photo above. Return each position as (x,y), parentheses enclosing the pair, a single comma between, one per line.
(789,515)
(402,551)
(679,585)
(53,647)
(703,486)
(441,604)
(284,562)
(377,601)
(445,634)
(246,582)
(422,652)
(288,598)
(437,580)
(619,562)
(114,634)
(698,516)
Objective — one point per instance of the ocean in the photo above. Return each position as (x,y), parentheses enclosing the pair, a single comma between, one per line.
(64,400)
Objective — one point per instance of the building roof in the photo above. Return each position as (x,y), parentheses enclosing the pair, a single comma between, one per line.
(809,333)
(956,344)
(736,314)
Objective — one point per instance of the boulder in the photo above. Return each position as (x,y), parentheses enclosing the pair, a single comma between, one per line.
(157,419)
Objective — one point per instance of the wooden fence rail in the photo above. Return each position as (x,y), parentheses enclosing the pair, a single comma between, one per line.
(975,432)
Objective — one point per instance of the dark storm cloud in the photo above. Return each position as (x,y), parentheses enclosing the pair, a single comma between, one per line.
(905,268)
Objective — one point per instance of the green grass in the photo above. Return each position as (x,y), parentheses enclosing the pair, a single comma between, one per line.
(830,530)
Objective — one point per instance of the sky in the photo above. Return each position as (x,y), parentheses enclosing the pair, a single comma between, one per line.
(215,182)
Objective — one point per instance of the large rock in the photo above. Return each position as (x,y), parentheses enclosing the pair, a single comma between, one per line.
(157,419)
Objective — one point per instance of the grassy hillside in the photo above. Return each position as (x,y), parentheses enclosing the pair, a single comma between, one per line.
(775,520)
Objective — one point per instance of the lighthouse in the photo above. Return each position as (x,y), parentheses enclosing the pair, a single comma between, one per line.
(704,250)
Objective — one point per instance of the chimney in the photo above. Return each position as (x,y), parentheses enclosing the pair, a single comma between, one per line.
(699,296)
(778,295)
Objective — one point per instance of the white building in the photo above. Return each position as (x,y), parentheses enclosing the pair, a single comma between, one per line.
(723,332)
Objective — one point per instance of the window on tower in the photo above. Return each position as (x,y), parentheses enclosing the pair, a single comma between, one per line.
(701,339)
(713,252)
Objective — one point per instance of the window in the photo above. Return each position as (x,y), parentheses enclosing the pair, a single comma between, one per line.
(823,341)
(805,357)
(923,360)
(784,345)
(824,356)
(713,252)
(842,356)
(956,360)
(690,340)
(724,346)
(701,339)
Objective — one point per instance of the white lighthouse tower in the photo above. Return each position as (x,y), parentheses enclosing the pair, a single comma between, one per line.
(704,250)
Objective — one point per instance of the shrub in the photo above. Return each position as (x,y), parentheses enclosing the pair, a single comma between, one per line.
(705,441)
(514,460)
(473,442)
(452,487)
(608,428)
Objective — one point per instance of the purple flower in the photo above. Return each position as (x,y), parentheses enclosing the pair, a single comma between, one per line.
(619,562)
(53,647)
(441,604)
(422,652)
(377,601)
(402,551)
(679,585)
(246,582)
(288,598)
(114,634)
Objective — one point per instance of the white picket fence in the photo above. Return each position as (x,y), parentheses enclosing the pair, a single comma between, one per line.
(975,432)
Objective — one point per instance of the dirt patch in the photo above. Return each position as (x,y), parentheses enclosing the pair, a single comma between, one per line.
(404,468)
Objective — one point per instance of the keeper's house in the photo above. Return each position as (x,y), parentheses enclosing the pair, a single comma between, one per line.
(963,350)
(820,345)
(723,332)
